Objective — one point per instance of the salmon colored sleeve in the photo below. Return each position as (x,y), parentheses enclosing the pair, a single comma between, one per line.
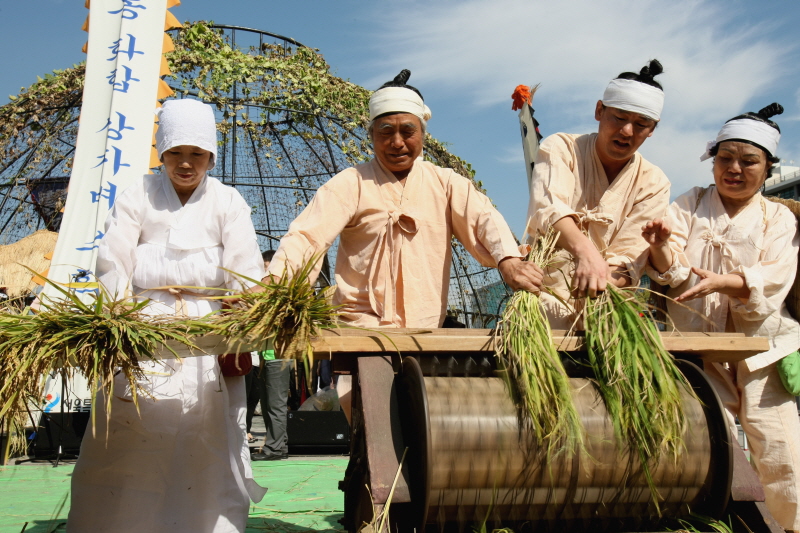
(627,248)
(477,224)
(679,217)
(552,185)
(315,229)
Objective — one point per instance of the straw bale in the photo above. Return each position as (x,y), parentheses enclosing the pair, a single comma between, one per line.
(793,299)
(30,252)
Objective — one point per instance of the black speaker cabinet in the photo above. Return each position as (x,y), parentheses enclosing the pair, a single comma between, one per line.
(318,432)
(60,429)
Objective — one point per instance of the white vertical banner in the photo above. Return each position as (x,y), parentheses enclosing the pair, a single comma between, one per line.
(126,39)
(116,128)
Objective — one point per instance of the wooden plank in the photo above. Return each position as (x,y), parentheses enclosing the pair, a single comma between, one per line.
(714,346)
(711,346)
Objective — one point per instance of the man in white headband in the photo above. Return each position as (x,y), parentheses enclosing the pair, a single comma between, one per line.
(597,191)
(396,216)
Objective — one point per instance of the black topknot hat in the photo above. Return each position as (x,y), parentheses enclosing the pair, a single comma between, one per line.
(401,81)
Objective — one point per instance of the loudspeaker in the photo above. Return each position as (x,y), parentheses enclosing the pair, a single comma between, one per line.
(326,430)
(60,429)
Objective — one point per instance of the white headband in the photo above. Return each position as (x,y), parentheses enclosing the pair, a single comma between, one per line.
(397,100)
(186,122)
(635,96)
(746,129)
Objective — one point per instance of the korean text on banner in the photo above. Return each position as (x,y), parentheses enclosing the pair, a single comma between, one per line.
(116,126)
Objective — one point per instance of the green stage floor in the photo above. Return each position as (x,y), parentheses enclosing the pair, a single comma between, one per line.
(303,496)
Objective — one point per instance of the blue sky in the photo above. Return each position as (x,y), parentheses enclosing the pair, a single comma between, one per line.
(721,58)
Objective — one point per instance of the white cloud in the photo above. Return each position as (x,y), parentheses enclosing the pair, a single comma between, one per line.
(484,48)
(717,60)
(686,171)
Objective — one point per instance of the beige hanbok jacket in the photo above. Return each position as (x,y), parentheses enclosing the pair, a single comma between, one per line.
(394,256)
(569,181)
(760,243)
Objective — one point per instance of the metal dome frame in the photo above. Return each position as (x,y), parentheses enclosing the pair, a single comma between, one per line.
(280,138)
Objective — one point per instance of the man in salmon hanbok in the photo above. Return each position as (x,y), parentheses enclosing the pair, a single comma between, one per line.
(597,191)
(396,216)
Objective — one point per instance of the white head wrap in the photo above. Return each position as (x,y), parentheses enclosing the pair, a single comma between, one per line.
(398,100)
(186,122)
(634,96)
(746,129)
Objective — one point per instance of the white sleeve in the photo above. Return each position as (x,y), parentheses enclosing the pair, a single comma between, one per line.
(240,254)
(116,254)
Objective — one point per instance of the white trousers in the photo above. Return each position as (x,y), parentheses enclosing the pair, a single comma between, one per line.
(768,415)
(182,466)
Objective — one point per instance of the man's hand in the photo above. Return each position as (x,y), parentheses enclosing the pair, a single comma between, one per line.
(521,274)
(592,273)
(710,282)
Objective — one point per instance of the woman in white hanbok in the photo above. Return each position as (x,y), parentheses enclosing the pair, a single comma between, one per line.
(184,463)
(729,257)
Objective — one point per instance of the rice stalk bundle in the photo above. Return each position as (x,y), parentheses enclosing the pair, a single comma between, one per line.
(98,339)
(636,378)
(287,311)
(16,443)
(534,370)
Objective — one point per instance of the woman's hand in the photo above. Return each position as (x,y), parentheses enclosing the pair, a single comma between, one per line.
(710,282)
(657,233)
(521,274)
(231,301)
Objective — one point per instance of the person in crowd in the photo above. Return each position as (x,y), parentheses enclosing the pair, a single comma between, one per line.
(596,190)
(252,392)
(396,216)
(729,257)
(274,379)
(183,464)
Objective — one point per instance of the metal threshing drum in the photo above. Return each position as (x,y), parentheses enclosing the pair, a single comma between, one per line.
(468,460)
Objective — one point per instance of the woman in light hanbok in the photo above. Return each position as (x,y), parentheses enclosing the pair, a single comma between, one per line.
(729,257)
(183,464)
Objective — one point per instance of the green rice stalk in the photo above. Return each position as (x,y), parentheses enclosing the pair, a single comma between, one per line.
(637,379)
(534,371)
(288,311)
(98,339)
(717,526)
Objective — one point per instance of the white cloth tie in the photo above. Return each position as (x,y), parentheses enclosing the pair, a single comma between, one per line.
(587,216)
(186,122)
(715,303)
(390,241)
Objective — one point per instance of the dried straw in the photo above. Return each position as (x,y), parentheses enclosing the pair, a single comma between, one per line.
(98,339)
(287,311)
(31,252)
